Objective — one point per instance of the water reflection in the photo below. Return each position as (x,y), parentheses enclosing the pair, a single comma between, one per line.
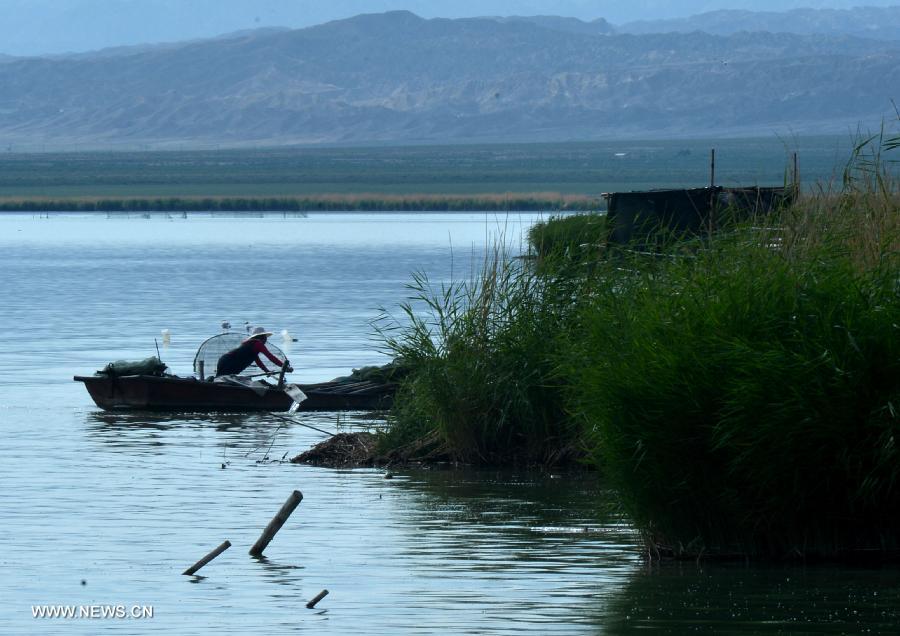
(150,433)
(245,435)
(716,598)
(167,421)
(284,574)
(495,527)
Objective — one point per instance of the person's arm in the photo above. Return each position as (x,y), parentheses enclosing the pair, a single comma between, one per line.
(260,364)
(260,348)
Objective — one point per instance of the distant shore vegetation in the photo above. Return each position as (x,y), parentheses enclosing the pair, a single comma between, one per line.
(587,168)
(523,202)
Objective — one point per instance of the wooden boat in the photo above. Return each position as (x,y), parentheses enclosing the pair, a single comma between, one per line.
(145,385)
(172,393)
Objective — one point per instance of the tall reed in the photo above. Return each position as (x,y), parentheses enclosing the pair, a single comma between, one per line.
(481,355)
(574,237)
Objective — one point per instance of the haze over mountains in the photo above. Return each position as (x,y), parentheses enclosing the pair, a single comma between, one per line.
(36,27)
(399,78)
(867,22)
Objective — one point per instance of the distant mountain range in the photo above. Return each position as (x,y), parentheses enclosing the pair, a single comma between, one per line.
(397,78)
(868,22)
(557,23)
(39,27)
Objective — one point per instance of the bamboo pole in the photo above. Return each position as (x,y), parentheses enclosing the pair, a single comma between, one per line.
(712,191)
(317,598)
(209,557)
(275,524)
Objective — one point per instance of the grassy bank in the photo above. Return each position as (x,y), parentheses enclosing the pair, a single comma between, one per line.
(537,201)
(742,398)
(741,392)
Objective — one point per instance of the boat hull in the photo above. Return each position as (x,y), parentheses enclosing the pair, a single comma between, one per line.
(170,393)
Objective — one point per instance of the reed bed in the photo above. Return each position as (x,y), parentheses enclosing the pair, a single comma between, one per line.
(572,238)
(482,366)
(740,391)
(743,398)
(537,201)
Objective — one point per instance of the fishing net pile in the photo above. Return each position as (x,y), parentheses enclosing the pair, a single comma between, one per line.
(149,366)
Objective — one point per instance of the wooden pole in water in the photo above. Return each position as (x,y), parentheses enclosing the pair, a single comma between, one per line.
(318,598)
(209,557)
(712,192)
(275,524)
(281,374)
(796,176)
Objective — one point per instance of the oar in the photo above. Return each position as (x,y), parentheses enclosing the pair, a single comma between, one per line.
(293,421)
(259,375)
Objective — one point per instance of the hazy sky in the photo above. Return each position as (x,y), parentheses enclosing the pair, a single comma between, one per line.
(32,27)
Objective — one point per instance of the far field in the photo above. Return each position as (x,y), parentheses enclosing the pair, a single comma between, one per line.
(580,169)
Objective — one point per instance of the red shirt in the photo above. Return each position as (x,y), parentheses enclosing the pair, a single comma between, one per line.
(259,347)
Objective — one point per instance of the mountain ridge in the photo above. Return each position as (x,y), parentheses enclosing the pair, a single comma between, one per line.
(870,22)
(42,27)
(399,78)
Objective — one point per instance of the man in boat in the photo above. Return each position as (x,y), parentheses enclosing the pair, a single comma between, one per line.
(249,352)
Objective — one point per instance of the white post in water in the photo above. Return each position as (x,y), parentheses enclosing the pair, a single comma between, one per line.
(275,524)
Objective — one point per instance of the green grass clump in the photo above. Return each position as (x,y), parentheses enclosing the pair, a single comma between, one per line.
(482,371)
(575,237)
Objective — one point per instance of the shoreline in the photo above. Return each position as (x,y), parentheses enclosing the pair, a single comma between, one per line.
(518,202)
(361,450)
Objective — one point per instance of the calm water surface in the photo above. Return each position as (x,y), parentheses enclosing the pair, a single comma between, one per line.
(106,509)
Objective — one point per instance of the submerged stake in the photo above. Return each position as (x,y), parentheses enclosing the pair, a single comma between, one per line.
(275,524)
(318,598)
(209,557)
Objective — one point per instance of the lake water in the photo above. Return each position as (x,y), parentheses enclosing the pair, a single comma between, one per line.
(103,509)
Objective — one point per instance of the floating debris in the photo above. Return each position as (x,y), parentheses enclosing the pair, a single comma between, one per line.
(341,451)
(350,450)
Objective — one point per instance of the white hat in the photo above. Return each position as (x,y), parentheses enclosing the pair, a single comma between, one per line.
(257,332)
